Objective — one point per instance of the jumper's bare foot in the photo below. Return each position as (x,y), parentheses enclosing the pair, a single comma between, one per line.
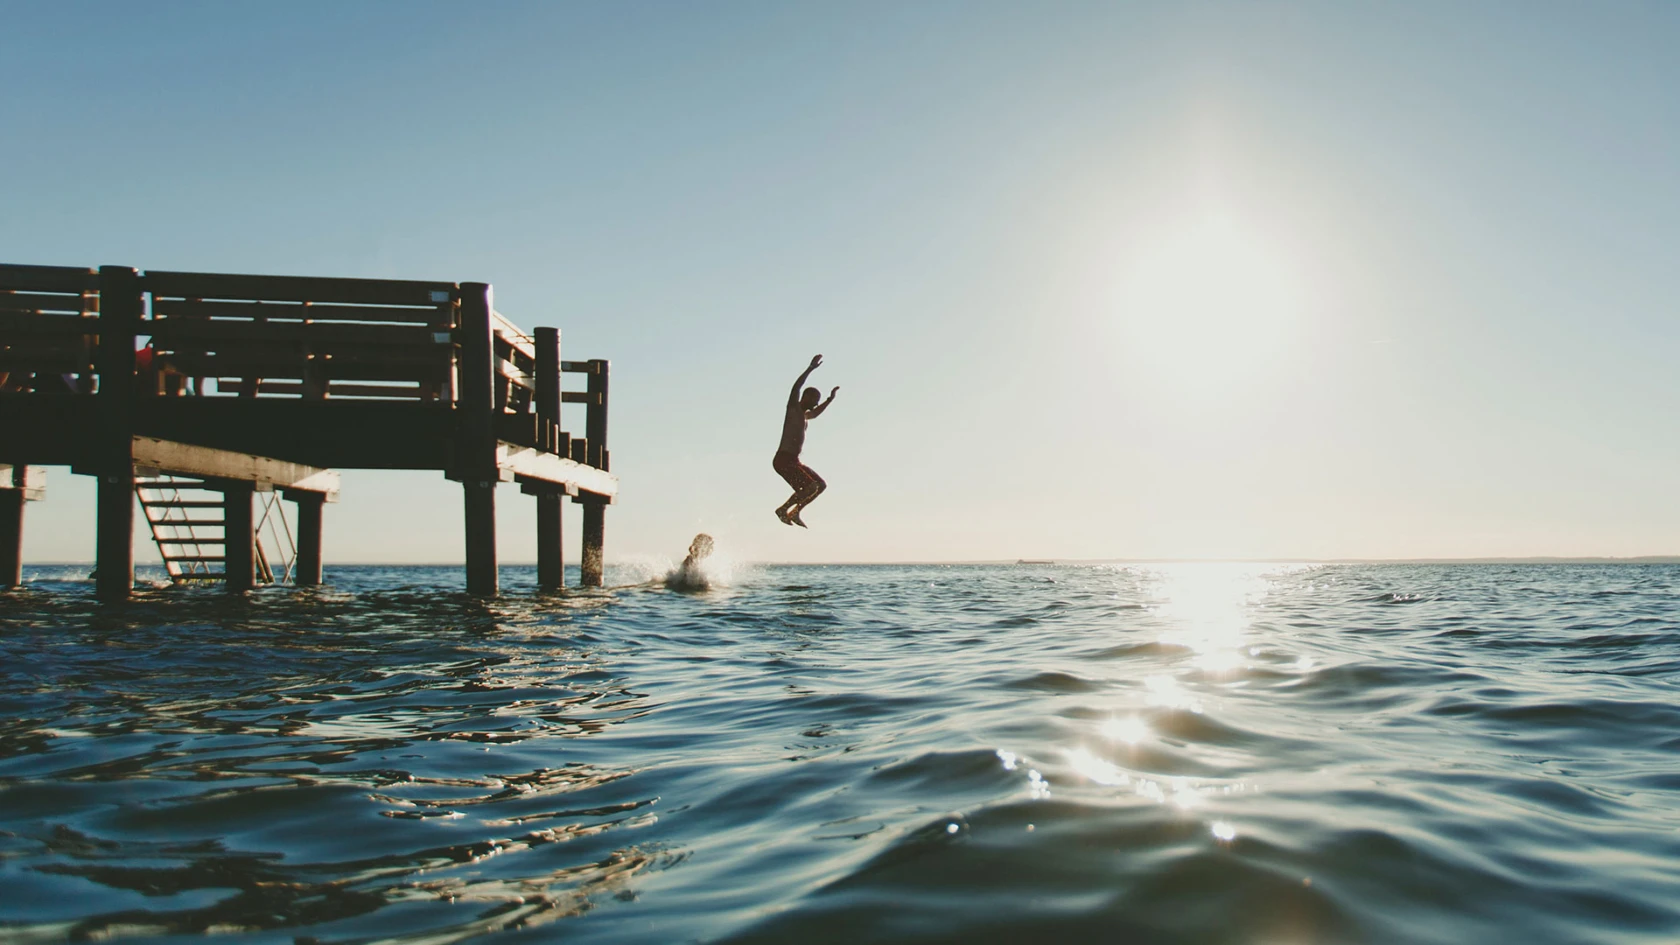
(794,517)
(783,515)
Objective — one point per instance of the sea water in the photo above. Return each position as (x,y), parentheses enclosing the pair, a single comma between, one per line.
(1195,753)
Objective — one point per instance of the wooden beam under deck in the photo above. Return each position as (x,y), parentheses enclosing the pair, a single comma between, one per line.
(532,466)
(151,453)
(29,480)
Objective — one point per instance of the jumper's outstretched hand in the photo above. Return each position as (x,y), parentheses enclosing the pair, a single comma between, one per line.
(816,362)
(833,392)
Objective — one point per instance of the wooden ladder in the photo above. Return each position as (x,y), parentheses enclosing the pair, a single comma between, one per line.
(185,516)
(188,528)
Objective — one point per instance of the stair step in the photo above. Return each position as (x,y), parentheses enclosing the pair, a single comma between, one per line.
(206,538)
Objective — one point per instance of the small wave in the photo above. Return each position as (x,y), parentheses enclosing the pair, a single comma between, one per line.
(1394,597)
(1151,648)
(1053,682)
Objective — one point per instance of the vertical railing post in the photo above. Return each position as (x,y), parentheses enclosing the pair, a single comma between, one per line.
(113,448)
(551,563)
(595,422)
(475,456)
(593,564)
(306,569)
(239,553)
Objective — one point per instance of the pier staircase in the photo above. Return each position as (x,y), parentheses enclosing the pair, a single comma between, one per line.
(186,519)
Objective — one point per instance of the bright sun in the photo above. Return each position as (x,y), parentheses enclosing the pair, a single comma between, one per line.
(1209,304)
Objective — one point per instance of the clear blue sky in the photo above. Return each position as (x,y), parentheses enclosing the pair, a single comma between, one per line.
(1105,279)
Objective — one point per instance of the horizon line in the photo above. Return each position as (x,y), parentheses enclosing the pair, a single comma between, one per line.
(1491,559)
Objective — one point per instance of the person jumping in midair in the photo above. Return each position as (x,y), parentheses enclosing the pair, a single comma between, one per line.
(801,410)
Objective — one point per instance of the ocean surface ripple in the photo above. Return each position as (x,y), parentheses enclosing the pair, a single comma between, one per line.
(1197,753)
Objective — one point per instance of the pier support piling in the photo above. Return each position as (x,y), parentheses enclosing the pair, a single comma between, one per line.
(551,564)
(239,552)
(479,501)
(119,321)
(475,456)
(306,570)
(592,566)
(595,507)
(11,537)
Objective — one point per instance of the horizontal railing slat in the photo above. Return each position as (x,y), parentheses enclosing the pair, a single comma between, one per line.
(15,324)
(513,374)
(437,315)
(509,334)
(48,278)
(179,331)
(210,285)
(218,366)
(36,302)
(45,363)
(382,391)
(369,356)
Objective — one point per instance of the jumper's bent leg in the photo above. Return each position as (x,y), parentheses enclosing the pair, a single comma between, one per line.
(814,487)
(793,476)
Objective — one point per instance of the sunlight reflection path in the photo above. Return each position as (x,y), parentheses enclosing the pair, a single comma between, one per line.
(1201,618)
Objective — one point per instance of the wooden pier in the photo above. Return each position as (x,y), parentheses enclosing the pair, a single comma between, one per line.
(242,384)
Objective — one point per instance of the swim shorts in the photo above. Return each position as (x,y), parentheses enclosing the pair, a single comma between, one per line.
(797,474)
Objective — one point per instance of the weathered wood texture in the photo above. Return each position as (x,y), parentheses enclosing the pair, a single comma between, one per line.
(592,567)
(29,480)
(517,463)
(167,456)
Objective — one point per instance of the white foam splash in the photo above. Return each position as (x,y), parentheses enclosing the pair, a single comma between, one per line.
(703,569)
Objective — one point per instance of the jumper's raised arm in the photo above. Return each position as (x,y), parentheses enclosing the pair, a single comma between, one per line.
(816,411)
(793,394)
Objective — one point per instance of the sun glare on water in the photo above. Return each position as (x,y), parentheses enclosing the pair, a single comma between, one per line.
(1209,302)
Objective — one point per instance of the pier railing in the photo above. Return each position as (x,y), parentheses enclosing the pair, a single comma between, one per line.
(309,338)
(143,347)
(221,335)
(49,328)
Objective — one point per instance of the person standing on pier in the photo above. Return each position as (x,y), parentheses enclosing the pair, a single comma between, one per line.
(801,410)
